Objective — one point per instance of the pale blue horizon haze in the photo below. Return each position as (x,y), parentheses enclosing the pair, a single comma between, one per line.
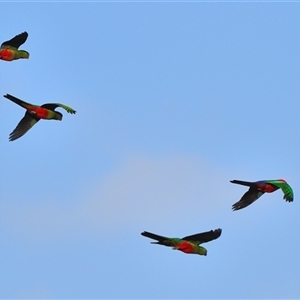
(173,101)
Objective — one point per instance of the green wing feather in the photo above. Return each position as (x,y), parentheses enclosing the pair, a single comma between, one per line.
(52,106)
(286,189)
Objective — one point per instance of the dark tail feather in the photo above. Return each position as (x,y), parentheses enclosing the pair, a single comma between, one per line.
(246,183)
(153,236)
(16,100)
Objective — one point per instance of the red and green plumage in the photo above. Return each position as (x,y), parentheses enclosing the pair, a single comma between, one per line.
(258,188)
(10,49)
(189,244)
(34,113)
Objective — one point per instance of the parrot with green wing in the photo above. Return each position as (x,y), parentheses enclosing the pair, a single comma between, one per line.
(258,188)
(10,49)
(189,244)
(34,113)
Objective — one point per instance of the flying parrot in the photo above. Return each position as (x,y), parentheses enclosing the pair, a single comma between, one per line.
(10,49)
(188,244)
(258,188)
(34,113)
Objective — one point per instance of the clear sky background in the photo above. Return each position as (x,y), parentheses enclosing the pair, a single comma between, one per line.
(173,101)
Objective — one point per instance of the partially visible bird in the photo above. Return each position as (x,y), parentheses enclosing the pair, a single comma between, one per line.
(258,188)
(188,244)
(34,113)
(10,49)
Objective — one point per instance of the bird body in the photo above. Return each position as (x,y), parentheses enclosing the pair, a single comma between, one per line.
(39,111)
(10,49)
(190,248)
(258,188)
(188,244)
(34,113)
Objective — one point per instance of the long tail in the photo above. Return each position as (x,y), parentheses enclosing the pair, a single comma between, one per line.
(246,183)
(18,101)
(160,239)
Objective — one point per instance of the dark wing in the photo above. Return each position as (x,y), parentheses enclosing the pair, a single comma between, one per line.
(204,237)
(24,125)
(249,197)
(161,240)
(52,107)
(16,42)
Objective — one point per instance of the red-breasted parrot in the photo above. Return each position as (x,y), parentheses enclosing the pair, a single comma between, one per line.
(187,244)
(258,188)
(10,49)
(34,113)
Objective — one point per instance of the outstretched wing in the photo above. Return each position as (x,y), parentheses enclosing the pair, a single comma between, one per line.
(248,198)
(24,125)
(161,240)
(16,42)
(286,189)
(204,237)
(52,106)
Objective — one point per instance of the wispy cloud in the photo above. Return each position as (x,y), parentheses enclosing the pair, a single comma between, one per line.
(143,190)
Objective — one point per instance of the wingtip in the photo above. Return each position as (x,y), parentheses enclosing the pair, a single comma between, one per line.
(288,199)
(218,231)
(235,207)
(12,138)
(24,33)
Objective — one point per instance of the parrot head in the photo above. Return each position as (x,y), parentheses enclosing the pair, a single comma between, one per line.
(282,180)
(24,54)
(201,251)
(58,116)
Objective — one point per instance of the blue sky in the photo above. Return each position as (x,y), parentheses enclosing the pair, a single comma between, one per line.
(173,101)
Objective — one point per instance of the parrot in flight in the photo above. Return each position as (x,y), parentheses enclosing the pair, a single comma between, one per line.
(258,188)
(188,244)
(34,113)
(10,49)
